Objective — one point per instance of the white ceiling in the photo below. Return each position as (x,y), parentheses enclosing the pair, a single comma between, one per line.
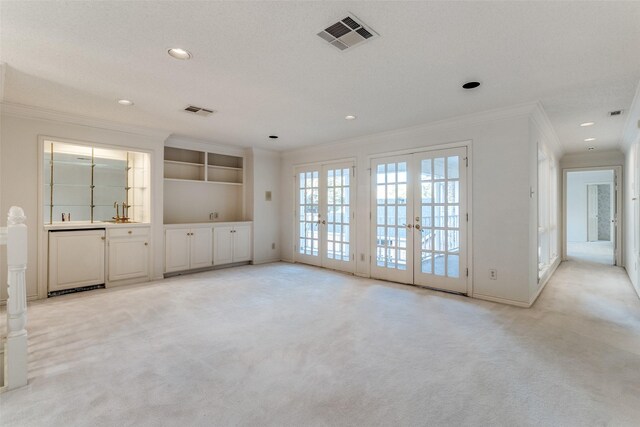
(262,67)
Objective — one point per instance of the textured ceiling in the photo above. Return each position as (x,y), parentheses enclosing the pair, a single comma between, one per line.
(261,66)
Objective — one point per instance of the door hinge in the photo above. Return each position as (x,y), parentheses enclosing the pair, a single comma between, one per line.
(369,259)
(353,257)
(295,248)
(354,170)
(369,171)
(369,214)
(467,272)
(467,217)
(466,162)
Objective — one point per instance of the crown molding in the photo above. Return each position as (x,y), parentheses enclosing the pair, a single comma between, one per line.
(517,110)
(540,118)
(631,129)
(38,113)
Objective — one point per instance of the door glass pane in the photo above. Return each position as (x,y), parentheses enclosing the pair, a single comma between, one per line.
(391,215)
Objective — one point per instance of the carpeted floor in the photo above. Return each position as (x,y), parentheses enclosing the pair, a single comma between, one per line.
(290,345)
(600,252)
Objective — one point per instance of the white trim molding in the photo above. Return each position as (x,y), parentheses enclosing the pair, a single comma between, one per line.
(31,112)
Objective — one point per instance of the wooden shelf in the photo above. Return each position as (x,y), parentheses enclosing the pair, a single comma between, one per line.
(176,162)
(202,182)
(224,167)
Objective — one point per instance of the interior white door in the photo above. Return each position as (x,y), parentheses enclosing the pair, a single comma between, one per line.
(201,247)
(592,212)
(337,217)
(308,212)
(419,221)
(440,220)
(392,242)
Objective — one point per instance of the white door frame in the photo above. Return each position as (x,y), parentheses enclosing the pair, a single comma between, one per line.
(468,144)
(618,217)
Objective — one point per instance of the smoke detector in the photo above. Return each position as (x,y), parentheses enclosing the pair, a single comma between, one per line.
(348,32)
(204,112)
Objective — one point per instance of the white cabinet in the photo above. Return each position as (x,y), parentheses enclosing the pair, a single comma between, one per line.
(187,248)
(76,259)
(128,253)
(223,245)
(232,243)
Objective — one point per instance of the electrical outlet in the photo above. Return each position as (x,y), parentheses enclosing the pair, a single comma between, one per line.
(273,246)
(493,274)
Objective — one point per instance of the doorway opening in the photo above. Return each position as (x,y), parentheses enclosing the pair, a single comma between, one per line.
(592,229)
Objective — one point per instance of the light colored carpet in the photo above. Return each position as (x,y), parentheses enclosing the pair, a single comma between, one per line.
(291,345)
(600,252)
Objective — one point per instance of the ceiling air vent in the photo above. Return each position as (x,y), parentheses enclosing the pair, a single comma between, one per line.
(199,111)
(615,113)
(347,33)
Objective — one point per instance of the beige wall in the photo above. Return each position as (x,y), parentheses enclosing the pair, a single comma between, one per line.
(501,200)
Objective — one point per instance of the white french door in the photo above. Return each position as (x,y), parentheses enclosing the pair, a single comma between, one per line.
(324,201)
(420,211)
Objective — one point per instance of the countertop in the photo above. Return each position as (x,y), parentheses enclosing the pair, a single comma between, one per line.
(206,224)
(80,225)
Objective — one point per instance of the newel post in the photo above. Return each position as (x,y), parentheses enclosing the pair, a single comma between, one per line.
(16,345)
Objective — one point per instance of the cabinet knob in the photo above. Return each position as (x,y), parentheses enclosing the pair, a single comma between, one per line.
(129,231)
(103,238)
(146,244)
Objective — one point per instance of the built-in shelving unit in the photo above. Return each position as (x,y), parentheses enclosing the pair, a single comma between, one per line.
(191,165)
(202,186)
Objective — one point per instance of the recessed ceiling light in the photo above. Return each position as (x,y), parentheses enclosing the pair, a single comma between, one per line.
(470,85)
(591,148)
(273,136)
(585,124)
(350,117)
(589,139)
(125,102)
(178,53)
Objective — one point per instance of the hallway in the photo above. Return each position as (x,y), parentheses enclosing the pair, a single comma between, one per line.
(288,344)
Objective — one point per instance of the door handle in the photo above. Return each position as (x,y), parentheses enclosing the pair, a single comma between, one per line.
(418,227)
(408,225)
(324,222)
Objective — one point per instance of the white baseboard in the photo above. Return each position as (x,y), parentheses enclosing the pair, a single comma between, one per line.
(545,280)
(266,261)
(502,300)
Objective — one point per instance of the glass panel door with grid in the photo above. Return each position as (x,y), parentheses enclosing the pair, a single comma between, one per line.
(337,217)
(392,241)
(440,220)
(308,213)
(419,228)
(324,203)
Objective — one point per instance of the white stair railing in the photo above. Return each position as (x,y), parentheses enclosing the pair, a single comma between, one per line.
(15,351)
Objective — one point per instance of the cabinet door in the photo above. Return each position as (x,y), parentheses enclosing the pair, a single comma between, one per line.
(222,245)
(128,258)
(176,250)
(201,247)
(242,243)
(76,258)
